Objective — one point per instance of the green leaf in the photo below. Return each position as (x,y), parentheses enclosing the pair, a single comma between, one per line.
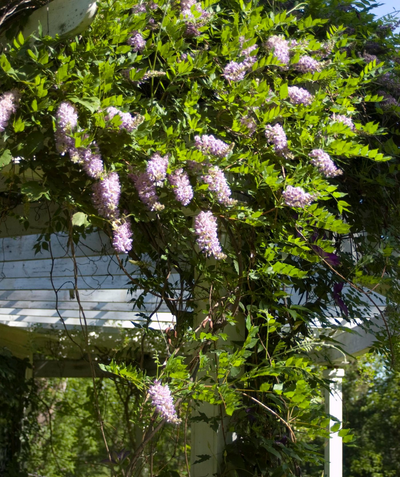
(91,103)
(5,158)
(79,219)
(34,191)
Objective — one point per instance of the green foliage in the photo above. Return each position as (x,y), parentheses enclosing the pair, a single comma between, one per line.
(371,410)
(284,265)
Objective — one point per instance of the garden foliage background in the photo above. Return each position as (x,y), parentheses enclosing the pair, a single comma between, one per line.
(237,154)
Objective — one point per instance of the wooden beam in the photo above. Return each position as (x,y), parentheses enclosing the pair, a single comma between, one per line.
(78,368)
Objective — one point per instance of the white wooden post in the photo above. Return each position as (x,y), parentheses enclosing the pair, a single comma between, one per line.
(334,407)
(204,440)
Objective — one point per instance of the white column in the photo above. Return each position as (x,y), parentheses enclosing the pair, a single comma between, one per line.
(334,407)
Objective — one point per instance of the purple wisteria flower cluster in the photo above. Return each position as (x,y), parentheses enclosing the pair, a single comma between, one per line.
(249,123)
(122,236)
(307,64)
(183,191)
(128,122)
(205,227)
(300,96)
(217,183)
(161,399)
(146,182)
(144,7)
(157,168)
(276,135)
(296,197)
(107,190)
(147,191)
(339,118)
(8,106)
(106,195)
(137,42)
(210,145)
(92,162)
(66,120)
(235,71)
(388,102)
(193,22)
(324,163)
(280,48)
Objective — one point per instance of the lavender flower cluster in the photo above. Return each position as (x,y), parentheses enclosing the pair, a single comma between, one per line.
(8,105)
(146,190)
(205,227)
(249,123)
(235,71)
(183,191)
(146,182)
(66,120)
(324,163)
(307,64)
(161,399)
(217,183)
(210,145)
(276,135)
(106,195)
(390,81)
(280,48)
(300,96)
(193,22)
(107,191)
(339,118)
(157,168)
(137,42)
(128,122)
(143,7)
(296,197)
(92,162)
(122,236)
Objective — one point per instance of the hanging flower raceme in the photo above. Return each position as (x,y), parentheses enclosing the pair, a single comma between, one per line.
(234,71)
(146,189)
(161,399)
(92,162)
(324,163)
(307,64)
(8,106)
(210,145)
(106,195)
(128,122)
(249,123)
(217,183)
(296,197)
(157,168)
(300,96)
(66,120)
(207,237)
(280,48)
(137,42)
(339,118)
(193,22)
(276,135)
(122,236)
(183,191)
